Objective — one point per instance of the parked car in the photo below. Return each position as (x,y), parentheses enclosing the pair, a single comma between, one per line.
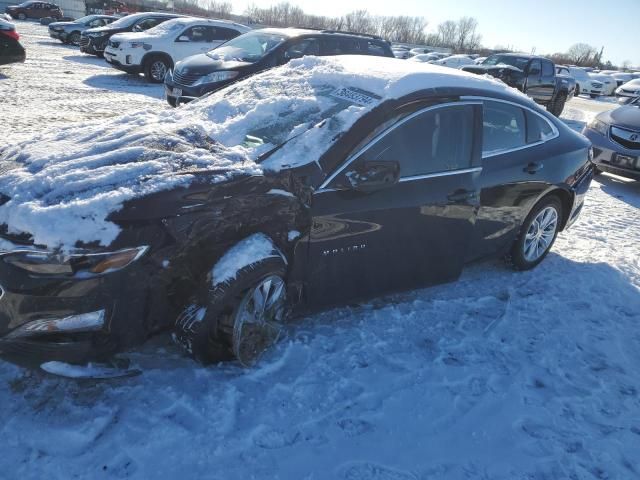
(11,51)
(585,84)
(426,57)
(479,60)
(608,83)
(628,91)
(317,183)
(70,32)
(454,61)
(535,76)
(400,52)
(34,9)
(94,40)
(260,50)
(615,136)
(155,51)
(622,77)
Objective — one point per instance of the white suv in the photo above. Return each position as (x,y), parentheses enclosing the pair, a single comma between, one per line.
(156,50)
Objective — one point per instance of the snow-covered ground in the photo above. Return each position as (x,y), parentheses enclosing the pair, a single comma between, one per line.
(501,375)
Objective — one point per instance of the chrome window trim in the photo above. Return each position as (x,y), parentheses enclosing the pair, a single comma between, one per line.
(388,130)
(495,153)
(414,178)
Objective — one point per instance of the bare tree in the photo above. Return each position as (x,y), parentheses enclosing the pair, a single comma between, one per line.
(581,54)
(467,37)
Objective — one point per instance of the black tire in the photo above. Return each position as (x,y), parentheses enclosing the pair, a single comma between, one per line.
(593,95)
(73,38)
(172,101)
(516,258)
(557,106)
(22,16)
(205,329)
(577,92)
(152,68)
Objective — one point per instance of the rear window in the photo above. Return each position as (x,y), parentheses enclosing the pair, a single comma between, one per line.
(538,129)
(503,127)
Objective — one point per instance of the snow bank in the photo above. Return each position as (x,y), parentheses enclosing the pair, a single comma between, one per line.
(66,183)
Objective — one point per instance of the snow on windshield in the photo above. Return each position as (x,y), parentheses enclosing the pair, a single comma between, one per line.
(63,185)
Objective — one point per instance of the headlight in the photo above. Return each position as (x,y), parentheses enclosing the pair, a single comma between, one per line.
(217,77)
(599,126)
(77,265)
(140,45)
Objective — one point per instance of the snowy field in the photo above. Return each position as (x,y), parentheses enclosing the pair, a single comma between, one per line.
(501,375)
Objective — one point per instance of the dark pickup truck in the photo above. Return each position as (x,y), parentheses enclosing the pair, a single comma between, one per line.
(532,75)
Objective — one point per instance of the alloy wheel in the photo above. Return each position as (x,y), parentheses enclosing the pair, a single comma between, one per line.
(540,233)
(257,322)
(158,70)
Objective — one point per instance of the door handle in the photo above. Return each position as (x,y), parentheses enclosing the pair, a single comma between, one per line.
(533,167)
(462,196)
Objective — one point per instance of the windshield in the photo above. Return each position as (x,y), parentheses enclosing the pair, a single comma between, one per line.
(86,19)
(125,22)
(518,62)
(249,47)
(166,27)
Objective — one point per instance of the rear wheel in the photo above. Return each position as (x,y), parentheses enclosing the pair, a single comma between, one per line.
(537,235)
(593,95)
(155,68)
(74,38)
(239,318)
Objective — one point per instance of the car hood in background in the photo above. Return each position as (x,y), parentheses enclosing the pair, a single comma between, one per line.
(627,116)
(204,64)
(490,69)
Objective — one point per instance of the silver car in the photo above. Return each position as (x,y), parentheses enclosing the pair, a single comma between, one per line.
(615,136)
(70,32)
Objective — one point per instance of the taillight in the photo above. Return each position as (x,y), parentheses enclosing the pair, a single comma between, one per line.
(11,34)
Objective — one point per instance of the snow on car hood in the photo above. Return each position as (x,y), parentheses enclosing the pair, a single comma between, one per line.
(62,185)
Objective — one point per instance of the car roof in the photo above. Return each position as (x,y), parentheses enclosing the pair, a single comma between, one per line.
(292,32)
(212,21)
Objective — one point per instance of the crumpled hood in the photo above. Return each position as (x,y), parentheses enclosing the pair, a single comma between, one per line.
(490,69)
(62,187)
(627,116)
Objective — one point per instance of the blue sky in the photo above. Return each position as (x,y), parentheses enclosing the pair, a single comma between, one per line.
(548,25)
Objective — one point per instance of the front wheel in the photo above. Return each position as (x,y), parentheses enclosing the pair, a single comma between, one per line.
(155,69)
(537,235)
(240,318)
(557,105)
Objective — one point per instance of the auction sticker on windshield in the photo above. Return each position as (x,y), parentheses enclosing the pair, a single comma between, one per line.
(355,95)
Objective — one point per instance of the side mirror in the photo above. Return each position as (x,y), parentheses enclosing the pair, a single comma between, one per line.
(183,38)
(373,176)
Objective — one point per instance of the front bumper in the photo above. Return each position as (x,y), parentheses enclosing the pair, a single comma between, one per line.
(29,303)
(116,61)
(58,35)
(612,157)
(177,93)
(93,45)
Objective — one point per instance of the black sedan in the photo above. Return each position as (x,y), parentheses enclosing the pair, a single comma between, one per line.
(94,40)
(324,181)
(11,51)
(616,140)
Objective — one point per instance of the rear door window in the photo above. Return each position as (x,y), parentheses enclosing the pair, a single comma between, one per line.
(222,33)
(538,129)
(503,128)
(547,69)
